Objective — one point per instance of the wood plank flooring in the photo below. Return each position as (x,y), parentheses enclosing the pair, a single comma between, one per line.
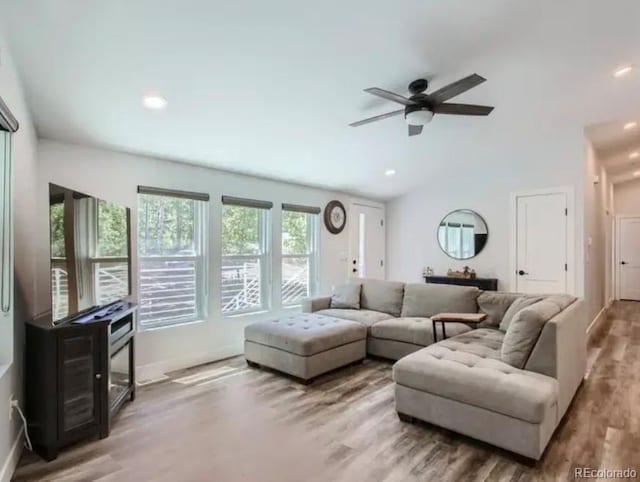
(227,422)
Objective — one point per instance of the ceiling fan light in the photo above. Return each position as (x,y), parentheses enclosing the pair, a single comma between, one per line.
(418,117)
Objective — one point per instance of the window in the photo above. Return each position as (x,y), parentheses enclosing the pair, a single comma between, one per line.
(299,253)
(171,262)
(6,247)
(245,255)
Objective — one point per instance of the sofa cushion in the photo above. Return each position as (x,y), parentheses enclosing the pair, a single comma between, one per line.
(418,331)
(305,334)
(346,296)
(495,304)
(563,301)
(464,369)
(524,330)
(518,304)
(364,317)
(426,299)
(384,296)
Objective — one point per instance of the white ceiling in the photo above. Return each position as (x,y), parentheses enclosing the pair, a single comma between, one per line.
(268,88)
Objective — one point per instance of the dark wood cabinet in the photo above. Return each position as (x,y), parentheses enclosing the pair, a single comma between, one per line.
(73,386)
(486,284)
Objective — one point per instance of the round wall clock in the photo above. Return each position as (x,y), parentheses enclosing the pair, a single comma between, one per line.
(335,217)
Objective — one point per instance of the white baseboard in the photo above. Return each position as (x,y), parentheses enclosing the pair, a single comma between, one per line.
(10,464)
(602,314)
(157,371)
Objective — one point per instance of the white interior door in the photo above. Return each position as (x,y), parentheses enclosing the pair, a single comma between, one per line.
(367,243)
(629,258)
(541,243)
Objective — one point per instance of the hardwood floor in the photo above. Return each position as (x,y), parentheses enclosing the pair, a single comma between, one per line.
(228,422)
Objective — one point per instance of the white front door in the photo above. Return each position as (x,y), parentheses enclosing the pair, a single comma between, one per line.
(541,243)
(367,242)
(629,258)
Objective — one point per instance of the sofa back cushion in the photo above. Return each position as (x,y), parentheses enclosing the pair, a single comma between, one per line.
(384,296)
(524,330)
(495,304)
(426,299)
(346,296)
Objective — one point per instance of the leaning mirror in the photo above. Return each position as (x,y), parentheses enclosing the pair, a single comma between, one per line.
(462,234)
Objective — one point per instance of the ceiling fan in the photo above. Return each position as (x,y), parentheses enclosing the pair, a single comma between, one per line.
(420,107)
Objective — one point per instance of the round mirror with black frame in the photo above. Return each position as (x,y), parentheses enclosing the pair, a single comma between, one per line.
(462,234)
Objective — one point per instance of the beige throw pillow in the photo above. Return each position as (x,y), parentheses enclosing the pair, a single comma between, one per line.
(524,330)
(519,304)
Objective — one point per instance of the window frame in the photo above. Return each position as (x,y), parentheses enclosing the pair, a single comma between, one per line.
(200,260)
(264,256)
(312,255)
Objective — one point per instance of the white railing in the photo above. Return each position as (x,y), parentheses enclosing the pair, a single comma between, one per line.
(59,290)
(295,279)
(111,281)
(241,284)
(168,290)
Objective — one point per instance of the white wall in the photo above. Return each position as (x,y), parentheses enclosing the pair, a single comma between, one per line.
(528,159)
(115,176)
(626,197)
(24,161)
(598,213)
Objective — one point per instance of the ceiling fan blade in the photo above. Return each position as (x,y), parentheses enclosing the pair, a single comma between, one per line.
(385,94)
(414,130)
(462,109)
(457,88)
(377,118)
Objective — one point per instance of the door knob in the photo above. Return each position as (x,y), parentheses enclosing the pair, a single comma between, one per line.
(98,376)
(623,262)
(522,272)
(354,270)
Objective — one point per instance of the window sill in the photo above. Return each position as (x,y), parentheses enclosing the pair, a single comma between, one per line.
(143,329)
(245,314)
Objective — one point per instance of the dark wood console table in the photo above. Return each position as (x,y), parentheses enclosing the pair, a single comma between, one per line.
(78,375)
(486,284)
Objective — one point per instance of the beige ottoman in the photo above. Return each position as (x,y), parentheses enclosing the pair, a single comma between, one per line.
(305,345)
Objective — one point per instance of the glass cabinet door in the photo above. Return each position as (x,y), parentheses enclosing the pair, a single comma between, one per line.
(120,376)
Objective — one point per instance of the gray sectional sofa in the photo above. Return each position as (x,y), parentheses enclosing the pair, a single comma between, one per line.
(507,382)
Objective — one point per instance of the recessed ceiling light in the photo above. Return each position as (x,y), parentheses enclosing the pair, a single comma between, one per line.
(630,125)
(623,71)
(154,101)
(634,155)
(390,172)
(636,173)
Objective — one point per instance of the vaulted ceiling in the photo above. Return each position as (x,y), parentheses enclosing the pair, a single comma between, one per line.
(268,88)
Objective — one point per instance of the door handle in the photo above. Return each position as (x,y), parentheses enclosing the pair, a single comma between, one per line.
(623,262)
(522,272)
(354,270)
